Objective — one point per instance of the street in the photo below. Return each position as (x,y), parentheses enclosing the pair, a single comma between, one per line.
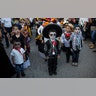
(38,68)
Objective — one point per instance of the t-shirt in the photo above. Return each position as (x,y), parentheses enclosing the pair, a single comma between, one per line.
(18,57)
(7,22)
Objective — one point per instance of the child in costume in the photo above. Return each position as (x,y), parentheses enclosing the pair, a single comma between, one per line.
(52,47)
(76,45)
(66,47)
(66,41)
(18,58)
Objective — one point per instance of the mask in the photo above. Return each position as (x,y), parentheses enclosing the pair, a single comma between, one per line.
(52,35)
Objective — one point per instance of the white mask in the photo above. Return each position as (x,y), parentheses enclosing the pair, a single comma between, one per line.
(52,35)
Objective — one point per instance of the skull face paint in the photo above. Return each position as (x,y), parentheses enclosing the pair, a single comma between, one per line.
(52,35)
(77,29)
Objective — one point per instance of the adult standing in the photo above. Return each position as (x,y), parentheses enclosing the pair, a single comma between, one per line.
(7,27)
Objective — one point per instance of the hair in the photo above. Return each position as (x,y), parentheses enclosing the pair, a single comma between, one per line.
(52,30)
(17,25)
(71,26)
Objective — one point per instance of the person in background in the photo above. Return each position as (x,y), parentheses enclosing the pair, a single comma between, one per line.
(93,33)
(6,68)
(7,27)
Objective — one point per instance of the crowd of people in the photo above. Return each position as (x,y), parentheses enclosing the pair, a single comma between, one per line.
(64,34)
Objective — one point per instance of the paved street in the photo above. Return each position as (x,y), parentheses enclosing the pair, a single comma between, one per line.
(38,68)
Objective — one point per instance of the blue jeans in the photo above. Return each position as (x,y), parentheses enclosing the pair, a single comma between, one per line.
(19,68)
(75,56)
(93,36)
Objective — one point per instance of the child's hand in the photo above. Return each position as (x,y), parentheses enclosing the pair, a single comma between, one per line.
(71,50)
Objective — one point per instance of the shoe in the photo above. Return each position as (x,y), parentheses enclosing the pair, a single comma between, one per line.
(23,74)
(73,64)
(94,50)
(92,46)
(55,73)
(67,61)
(50,74)
(18,76)
(76,64)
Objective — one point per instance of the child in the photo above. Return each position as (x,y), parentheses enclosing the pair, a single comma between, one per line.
(52,47)
(18,58)
(65,40)
(67,48)
(76,45)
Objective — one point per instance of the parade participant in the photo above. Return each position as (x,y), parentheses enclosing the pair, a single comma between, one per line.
(18,58)
(52,47)
(69,28)
(40,43)
(26,39)
(40,40)
(60,21)
(6,68)
(67,47)
(40,29)
(76,45)
(7,27)
(18,35)
(93,33)
(28,26)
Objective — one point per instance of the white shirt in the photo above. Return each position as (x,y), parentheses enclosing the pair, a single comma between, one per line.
(82,20)
(31,19)
(18,57)
(7,22)
(40,29)
(67,42)
(59,23)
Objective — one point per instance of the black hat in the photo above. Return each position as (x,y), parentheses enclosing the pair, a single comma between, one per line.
(50,27)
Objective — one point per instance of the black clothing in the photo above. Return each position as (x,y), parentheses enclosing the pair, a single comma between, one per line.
(6,68)
(52,61)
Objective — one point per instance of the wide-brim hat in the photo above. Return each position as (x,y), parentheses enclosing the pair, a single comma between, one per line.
(52,26)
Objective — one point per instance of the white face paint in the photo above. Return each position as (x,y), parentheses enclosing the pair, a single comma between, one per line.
(52,35)
(77,29)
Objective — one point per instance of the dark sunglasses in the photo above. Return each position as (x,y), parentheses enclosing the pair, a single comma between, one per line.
(52,34)
(77,29)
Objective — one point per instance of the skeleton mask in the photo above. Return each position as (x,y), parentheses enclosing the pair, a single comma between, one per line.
(52,35)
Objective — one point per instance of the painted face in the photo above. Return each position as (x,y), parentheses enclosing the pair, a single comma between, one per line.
(77,29)
(52,35)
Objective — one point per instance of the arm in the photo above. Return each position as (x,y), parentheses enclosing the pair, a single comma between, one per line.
(12,59)
(0,34)
(58,49)
(46,49)
(24,57)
